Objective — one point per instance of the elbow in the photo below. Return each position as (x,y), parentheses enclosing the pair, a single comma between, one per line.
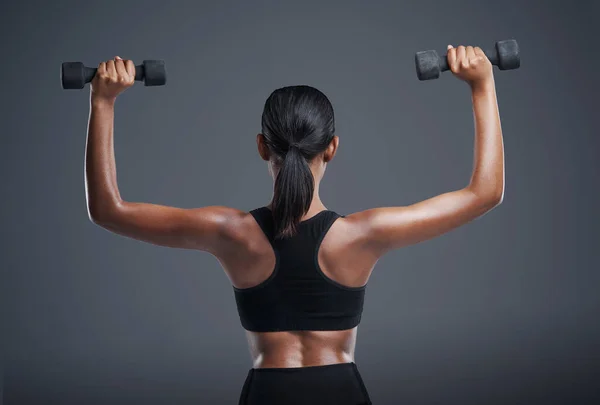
(490,198)
(102,214)
(494,198)
(96,217)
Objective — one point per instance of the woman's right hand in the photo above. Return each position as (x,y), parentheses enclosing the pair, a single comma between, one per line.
(470,64)
(386,228)
(112,78)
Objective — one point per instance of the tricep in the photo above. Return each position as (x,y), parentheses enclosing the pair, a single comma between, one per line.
(391,228)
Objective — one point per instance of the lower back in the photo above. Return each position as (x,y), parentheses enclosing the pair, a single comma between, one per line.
(301,348)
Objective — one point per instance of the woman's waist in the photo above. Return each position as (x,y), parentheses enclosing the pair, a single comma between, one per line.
(301,348)
(294,359)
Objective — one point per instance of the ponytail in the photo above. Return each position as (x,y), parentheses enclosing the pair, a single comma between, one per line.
(297,124)
(293,193)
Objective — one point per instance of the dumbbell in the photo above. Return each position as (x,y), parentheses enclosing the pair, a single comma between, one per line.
(505,55)
(74,75)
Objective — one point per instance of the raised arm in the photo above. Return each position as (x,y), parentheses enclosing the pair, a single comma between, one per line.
(393,227)
(209,228)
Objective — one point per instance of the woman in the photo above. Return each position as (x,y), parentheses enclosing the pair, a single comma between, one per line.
(298,270)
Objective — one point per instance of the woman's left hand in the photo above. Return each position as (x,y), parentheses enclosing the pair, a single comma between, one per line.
(112,78)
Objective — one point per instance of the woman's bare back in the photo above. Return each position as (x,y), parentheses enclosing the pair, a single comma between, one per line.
(339,259)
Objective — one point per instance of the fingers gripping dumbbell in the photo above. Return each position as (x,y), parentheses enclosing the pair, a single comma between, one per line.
(74,75)
(505,55)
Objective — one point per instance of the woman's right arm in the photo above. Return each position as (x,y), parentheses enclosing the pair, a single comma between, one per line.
(390,228)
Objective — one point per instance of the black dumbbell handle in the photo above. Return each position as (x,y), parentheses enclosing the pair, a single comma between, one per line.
(492,55)
(89,73)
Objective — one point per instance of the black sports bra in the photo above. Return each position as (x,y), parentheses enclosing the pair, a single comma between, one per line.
(298,295)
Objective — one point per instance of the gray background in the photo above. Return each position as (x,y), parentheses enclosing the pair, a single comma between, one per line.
(500,311)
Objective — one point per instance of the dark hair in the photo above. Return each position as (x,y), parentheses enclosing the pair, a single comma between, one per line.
(298,124)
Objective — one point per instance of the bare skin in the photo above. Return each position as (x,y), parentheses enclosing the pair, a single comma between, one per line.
(349,250)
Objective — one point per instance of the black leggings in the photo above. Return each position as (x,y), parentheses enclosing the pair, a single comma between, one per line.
(334,384)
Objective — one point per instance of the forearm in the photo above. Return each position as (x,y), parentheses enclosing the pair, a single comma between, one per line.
(487,180)
(102,192)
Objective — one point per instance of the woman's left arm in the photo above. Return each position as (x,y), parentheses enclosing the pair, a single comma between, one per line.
(210,229)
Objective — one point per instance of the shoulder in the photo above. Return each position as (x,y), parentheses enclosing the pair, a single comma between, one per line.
(354,231)
(348,229)
(232,222)
(238,227)
(345,254)
(357,222)
(216,229)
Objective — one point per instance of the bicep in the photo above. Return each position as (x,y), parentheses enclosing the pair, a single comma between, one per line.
(394,227)
(198,228)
